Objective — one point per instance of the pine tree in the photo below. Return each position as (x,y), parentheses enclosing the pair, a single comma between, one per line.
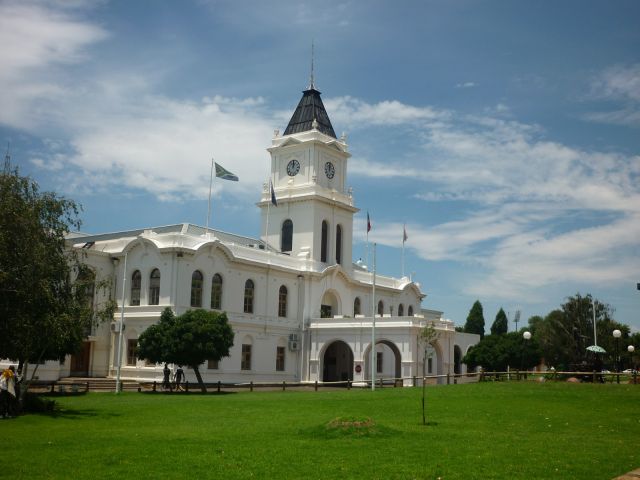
(475,320)
(500,324)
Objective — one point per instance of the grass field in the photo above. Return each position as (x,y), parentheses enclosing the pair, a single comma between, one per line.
(478,431)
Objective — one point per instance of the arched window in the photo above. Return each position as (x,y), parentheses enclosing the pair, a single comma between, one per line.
(154,287)
(324,241)
(248,296)
(286,237)
(282,302)
(339,244)
(216,292)
(410,311)
(356,306)
(400,310)
(136,284)
(196,289)
(380,307)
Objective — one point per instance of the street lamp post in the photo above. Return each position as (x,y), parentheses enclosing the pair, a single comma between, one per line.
(632,349)
(525,336)
(617,334)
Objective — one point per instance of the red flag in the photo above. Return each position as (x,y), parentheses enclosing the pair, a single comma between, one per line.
(368,223)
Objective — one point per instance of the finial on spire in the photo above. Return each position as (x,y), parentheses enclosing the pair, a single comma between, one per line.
(312,85)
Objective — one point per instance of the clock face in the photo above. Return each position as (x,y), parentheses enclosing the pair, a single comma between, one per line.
(329,170)
(293,167)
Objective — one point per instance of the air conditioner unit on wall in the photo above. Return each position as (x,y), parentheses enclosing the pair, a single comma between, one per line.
(294,345)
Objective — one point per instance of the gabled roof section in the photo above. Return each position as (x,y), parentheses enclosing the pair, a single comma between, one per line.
(310,108)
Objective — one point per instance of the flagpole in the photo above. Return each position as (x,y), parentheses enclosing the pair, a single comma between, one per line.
(124,292)
(209,204)
(266,230)
(373,324)
(404,235)
(367,248)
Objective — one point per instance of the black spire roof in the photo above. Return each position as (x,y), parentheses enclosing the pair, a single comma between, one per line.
(309,109)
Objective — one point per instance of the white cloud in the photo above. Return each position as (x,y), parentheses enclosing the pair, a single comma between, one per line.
(355,113)
(525,190)
(466,85)
(618,82)
(35,40)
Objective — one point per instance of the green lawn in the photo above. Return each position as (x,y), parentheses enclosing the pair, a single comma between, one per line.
(479,431)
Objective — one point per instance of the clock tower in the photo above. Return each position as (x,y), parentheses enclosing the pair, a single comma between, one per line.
(314,216)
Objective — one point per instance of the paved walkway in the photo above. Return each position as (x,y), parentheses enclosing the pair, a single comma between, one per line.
(635,475)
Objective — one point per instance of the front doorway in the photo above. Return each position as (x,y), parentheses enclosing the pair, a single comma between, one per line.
(388,360)
(337,363)
(80,361)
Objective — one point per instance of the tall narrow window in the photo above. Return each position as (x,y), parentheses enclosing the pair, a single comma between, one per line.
(324,241)
(136,283)
(282,302)
(286,237)
(379,363)
(216,292)
(356,306)
(246,357)
(196,289)
(410,311)
(87,282)
(380,307)
(280,359)
(248,296)
(339,244)
(132,347)
(400,310)
(154,287)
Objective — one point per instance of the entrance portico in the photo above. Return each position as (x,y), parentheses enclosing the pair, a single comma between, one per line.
(346,343)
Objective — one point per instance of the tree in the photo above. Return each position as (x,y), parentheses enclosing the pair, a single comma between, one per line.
(44,313)
(428,336)
(475,320)
(497,352)
(500,325)
(188,339)
(564,334)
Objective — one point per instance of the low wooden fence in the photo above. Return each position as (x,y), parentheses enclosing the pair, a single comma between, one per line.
(66,388)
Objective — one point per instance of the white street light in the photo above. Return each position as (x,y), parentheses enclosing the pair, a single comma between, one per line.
(617,334)
(526,335)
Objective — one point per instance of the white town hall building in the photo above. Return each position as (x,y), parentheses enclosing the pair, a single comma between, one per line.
(300,308)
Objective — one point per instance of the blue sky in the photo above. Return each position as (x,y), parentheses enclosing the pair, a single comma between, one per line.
(505,134)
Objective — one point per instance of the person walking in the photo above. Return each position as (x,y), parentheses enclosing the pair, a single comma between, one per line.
(166,378)
(179,378)
(8,392)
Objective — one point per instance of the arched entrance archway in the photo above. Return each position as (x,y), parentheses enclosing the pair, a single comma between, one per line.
(337,362)
(388,360)
(457,360)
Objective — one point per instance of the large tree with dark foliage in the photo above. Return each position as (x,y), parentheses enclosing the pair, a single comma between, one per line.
(497,352)
(500,325)
(475,320)
(564,334)
(44,313)
(188,339)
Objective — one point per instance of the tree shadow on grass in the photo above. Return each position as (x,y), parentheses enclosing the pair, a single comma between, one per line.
(75,414)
